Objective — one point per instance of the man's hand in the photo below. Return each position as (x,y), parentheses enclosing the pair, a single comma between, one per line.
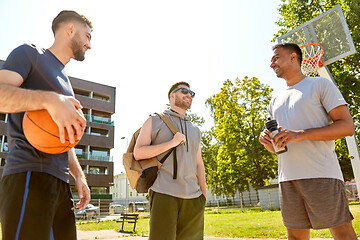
(178,139)
(286,136)
(265,140)
(67,114)
(83,192)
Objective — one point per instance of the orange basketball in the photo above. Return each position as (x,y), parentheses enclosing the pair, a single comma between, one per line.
(43,133)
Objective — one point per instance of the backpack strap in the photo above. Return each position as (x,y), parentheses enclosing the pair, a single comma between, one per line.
(174,130)
(168,123)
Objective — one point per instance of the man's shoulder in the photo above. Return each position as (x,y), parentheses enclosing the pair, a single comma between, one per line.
(28,51)
(29,48)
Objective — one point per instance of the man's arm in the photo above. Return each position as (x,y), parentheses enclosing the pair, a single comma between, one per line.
(143,148)
(342,126)
(80,180)
(200,171)
(64,110)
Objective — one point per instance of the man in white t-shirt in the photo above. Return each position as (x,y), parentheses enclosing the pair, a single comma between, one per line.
(312,113)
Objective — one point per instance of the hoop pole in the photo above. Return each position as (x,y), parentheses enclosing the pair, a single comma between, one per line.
(351,142)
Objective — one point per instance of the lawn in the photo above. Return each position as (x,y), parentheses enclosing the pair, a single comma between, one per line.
(253,223)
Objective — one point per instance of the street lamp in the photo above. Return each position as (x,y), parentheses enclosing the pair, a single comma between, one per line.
(126,179)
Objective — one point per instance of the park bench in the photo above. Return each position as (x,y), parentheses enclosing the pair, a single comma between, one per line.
(129,218)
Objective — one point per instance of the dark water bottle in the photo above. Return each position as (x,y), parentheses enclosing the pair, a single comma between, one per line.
(272,126)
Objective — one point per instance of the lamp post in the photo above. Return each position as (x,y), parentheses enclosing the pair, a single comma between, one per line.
(126,179)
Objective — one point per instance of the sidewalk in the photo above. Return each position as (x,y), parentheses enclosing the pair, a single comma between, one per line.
(114,235)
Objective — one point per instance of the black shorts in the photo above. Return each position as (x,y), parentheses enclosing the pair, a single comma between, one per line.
(36,205)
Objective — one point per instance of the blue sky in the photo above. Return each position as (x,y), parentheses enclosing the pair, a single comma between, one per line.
(142,47)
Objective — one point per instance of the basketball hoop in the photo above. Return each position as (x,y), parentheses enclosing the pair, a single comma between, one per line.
(312,61)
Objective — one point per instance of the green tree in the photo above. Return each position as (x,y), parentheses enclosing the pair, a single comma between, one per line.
(346,72)
(235,158)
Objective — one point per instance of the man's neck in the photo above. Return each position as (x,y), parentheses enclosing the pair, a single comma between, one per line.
(178,110)
(60,52)
(294,79)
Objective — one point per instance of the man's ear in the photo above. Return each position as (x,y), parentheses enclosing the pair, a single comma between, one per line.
(70,29)
(293,57)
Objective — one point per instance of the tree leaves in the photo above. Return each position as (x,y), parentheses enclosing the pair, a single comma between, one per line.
(233,156)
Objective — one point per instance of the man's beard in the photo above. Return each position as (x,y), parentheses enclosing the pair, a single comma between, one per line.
(179,102)
(77,48)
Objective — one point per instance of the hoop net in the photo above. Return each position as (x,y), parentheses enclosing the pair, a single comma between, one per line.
(312,61)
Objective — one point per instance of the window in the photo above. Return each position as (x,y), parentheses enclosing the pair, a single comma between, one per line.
(98,170)
(5,146)
(99,132)
(2,117)
(100,117)
(2,162)
(101,97)
(99,151)
(130,194)
(82,92)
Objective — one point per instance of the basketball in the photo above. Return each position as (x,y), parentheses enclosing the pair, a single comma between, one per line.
(43,134)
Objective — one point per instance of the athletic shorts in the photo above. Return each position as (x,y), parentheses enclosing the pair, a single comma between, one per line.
(36,205)
(316,203)
(173,218)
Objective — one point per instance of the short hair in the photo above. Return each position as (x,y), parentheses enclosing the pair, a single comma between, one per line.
(291,47)
(175,85)
(69,15)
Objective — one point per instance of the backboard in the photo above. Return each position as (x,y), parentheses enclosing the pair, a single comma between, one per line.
(330,30)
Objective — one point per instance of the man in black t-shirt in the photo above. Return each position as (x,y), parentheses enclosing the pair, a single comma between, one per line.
(35,198)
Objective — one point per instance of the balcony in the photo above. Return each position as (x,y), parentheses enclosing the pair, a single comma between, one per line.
(96,119)
(89,156)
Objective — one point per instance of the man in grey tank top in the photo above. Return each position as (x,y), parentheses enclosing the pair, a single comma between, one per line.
(178,195)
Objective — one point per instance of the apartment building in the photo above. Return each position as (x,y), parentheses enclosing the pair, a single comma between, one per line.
(93,150)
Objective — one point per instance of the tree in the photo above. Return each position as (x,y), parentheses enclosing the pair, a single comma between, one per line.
(237,159)
(346,72)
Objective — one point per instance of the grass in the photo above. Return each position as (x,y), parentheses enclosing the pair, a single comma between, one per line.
(252,223)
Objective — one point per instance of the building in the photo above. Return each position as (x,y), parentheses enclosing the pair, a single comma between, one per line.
(93,150)
(123,194)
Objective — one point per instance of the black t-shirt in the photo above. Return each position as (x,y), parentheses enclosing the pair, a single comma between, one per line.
(41,70)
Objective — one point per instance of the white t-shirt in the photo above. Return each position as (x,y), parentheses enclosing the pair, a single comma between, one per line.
(303,106)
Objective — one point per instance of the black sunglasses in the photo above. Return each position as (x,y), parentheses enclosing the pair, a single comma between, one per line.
(185,91)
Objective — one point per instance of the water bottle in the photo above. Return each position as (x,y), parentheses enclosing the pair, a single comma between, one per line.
(272,126)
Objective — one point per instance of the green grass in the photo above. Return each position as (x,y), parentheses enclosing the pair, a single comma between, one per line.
(252,223)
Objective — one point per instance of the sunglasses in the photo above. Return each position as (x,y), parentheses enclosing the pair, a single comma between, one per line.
(185,91)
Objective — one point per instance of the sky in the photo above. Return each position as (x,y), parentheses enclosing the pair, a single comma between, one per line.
(142,47)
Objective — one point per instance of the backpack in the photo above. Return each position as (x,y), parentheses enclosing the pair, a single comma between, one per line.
(143,173)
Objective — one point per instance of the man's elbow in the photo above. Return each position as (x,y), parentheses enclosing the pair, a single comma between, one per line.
(350,130)
(136,154)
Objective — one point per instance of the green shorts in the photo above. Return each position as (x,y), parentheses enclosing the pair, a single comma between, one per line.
(173,218)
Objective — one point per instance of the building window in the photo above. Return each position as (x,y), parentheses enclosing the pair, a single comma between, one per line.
(101,97)
(2,117)
(99,132)
(5,146)
(2,162)
(130,194)
(96,151)
(98,170)
(101,117)
(85,110)
(82,92)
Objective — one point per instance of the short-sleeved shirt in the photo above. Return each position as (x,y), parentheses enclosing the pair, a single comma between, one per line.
(41,70)
(303,106)
(186,185)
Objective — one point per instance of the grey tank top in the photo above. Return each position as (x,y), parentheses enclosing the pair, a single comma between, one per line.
(186,184)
